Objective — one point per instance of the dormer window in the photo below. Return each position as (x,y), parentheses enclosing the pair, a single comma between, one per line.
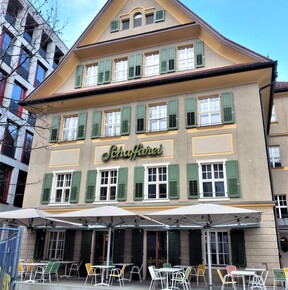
(137,20)
(125,24)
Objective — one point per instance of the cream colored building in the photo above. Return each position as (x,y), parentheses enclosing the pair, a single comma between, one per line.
(153,74)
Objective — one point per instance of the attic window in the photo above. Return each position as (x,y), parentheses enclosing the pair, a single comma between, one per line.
(125,24)
(137,20)
(149,18)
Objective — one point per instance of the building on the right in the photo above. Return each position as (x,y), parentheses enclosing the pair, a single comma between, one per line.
(278,155)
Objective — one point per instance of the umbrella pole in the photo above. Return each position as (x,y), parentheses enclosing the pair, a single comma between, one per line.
(108,249)
(210,285)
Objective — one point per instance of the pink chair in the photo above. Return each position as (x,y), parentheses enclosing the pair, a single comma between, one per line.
(229,269)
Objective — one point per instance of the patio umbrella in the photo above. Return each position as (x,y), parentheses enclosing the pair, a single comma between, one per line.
(207,216)
(107,217)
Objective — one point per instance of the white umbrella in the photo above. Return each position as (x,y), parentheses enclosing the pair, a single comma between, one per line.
(206,216)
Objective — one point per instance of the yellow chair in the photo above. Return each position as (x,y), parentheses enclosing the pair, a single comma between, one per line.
(117,273)
(199,272)
(21,271)
(91,273)
(226,280)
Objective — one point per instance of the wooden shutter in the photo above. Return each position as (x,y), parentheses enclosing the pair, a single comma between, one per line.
(91,186)
(68,254)
(238,248)
(160,16)
(75,186)
(140,118)
(114,25)
(227,107)
(39,244)
(191,112)
(138,183)
(125,120)
(193,180)
(195,248)
(174,247)
(96,124)
(81,131)
(79,76)
(46,190)
(54,136)
(118,246)
(199,54)
(104,71)
(135,66)
(137,248)
(173,115)
(122,184)
(167,60)
(173,177)
(233,181)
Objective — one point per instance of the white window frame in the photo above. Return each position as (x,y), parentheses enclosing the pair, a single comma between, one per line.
(207,109)
(112,123)
(157,119)
(281,205)
(120,71)
(157,182)
(56,245)
(151,67)
(69,130)
(185,58)
(108,185)
(274,156)
(91,76)
(213,179)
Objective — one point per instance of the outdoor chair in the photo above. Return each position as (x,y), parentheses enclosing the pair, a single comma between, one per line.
(229,269)
(119,274)
(75,268)
(155,278)
(91,273)
(181,278)
(199,272)
(259,281)
(167,265)
(278,276)
(226,280)
(54,269)
(44,271)
(136,270)
(21,271)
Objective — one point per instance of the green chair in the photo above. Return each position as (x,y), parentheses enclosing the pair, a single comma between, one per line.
(44,271)
(54,269)
(278,276)
(167,265)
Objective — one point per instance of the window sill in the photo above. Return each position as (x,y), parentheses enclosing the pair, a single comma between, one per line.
(156,200)
(98,202)
(213,199)
(56,204)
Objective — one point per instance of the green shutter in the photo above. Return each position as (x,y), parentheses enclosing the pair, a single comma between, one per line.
(39,244)
(125,120)
(195,248)
(233,182)
(191,112)
(174,249)
(46,190)
(122,184)
(173,176)
(199,54)
(96,124)
(140,119)
(118,245)
(193,180)
(104,71)
(75,186)
(69,245)
(138,183)
(135,66)
(54,136)
(173,115)
(137,247)
(228,115)
(91,186)
(167,60)
(81,131)
(160,15)
(114,25)
(238,248)
(79,76)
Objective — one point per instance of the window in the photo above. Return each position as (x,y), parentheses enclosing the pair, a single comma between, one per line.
(152,64)
(45,41)
(108,185)
(5,178)
(9,143)
(112,123)
(185,58)
(29,28)
(281,206)
(274,156)
(209,111)
(2,86)
(137,20)
(63,188)
(56,245)
(57,56)
(120,70)
(157,118)
(40,74)
(149,19)
(27,147)
(125,24)
(157,182)
(18,94)
(273,115)
(70,125)
(219,242)
(24,63)
(12,11)
(31,119)
(91,75)
(6,47)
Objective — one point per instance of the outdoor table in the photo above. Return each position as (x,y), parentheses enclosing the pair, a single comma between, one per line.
(103,268)
(168,271)
(66,266)
(33,264)
(243,274)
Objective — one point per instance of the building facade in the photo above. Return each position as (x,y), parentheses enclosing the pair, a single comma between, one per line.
(153,109)
(29,51)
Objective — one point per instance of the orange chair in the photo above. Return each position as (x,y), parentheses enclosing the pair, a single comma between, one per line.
(199,272)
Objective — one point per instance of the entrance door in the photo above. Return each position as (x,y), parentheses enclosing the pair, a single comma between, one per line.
(156,248)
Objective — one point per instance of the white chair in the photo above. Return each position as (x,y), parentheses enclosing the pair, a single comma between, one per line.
(155,278)
(119,274)
(258,282)
(181,278)
(136,270)
(75,267)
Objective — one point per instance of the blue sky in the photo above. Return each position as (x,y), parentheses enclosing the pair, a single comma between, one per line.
(260,25)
